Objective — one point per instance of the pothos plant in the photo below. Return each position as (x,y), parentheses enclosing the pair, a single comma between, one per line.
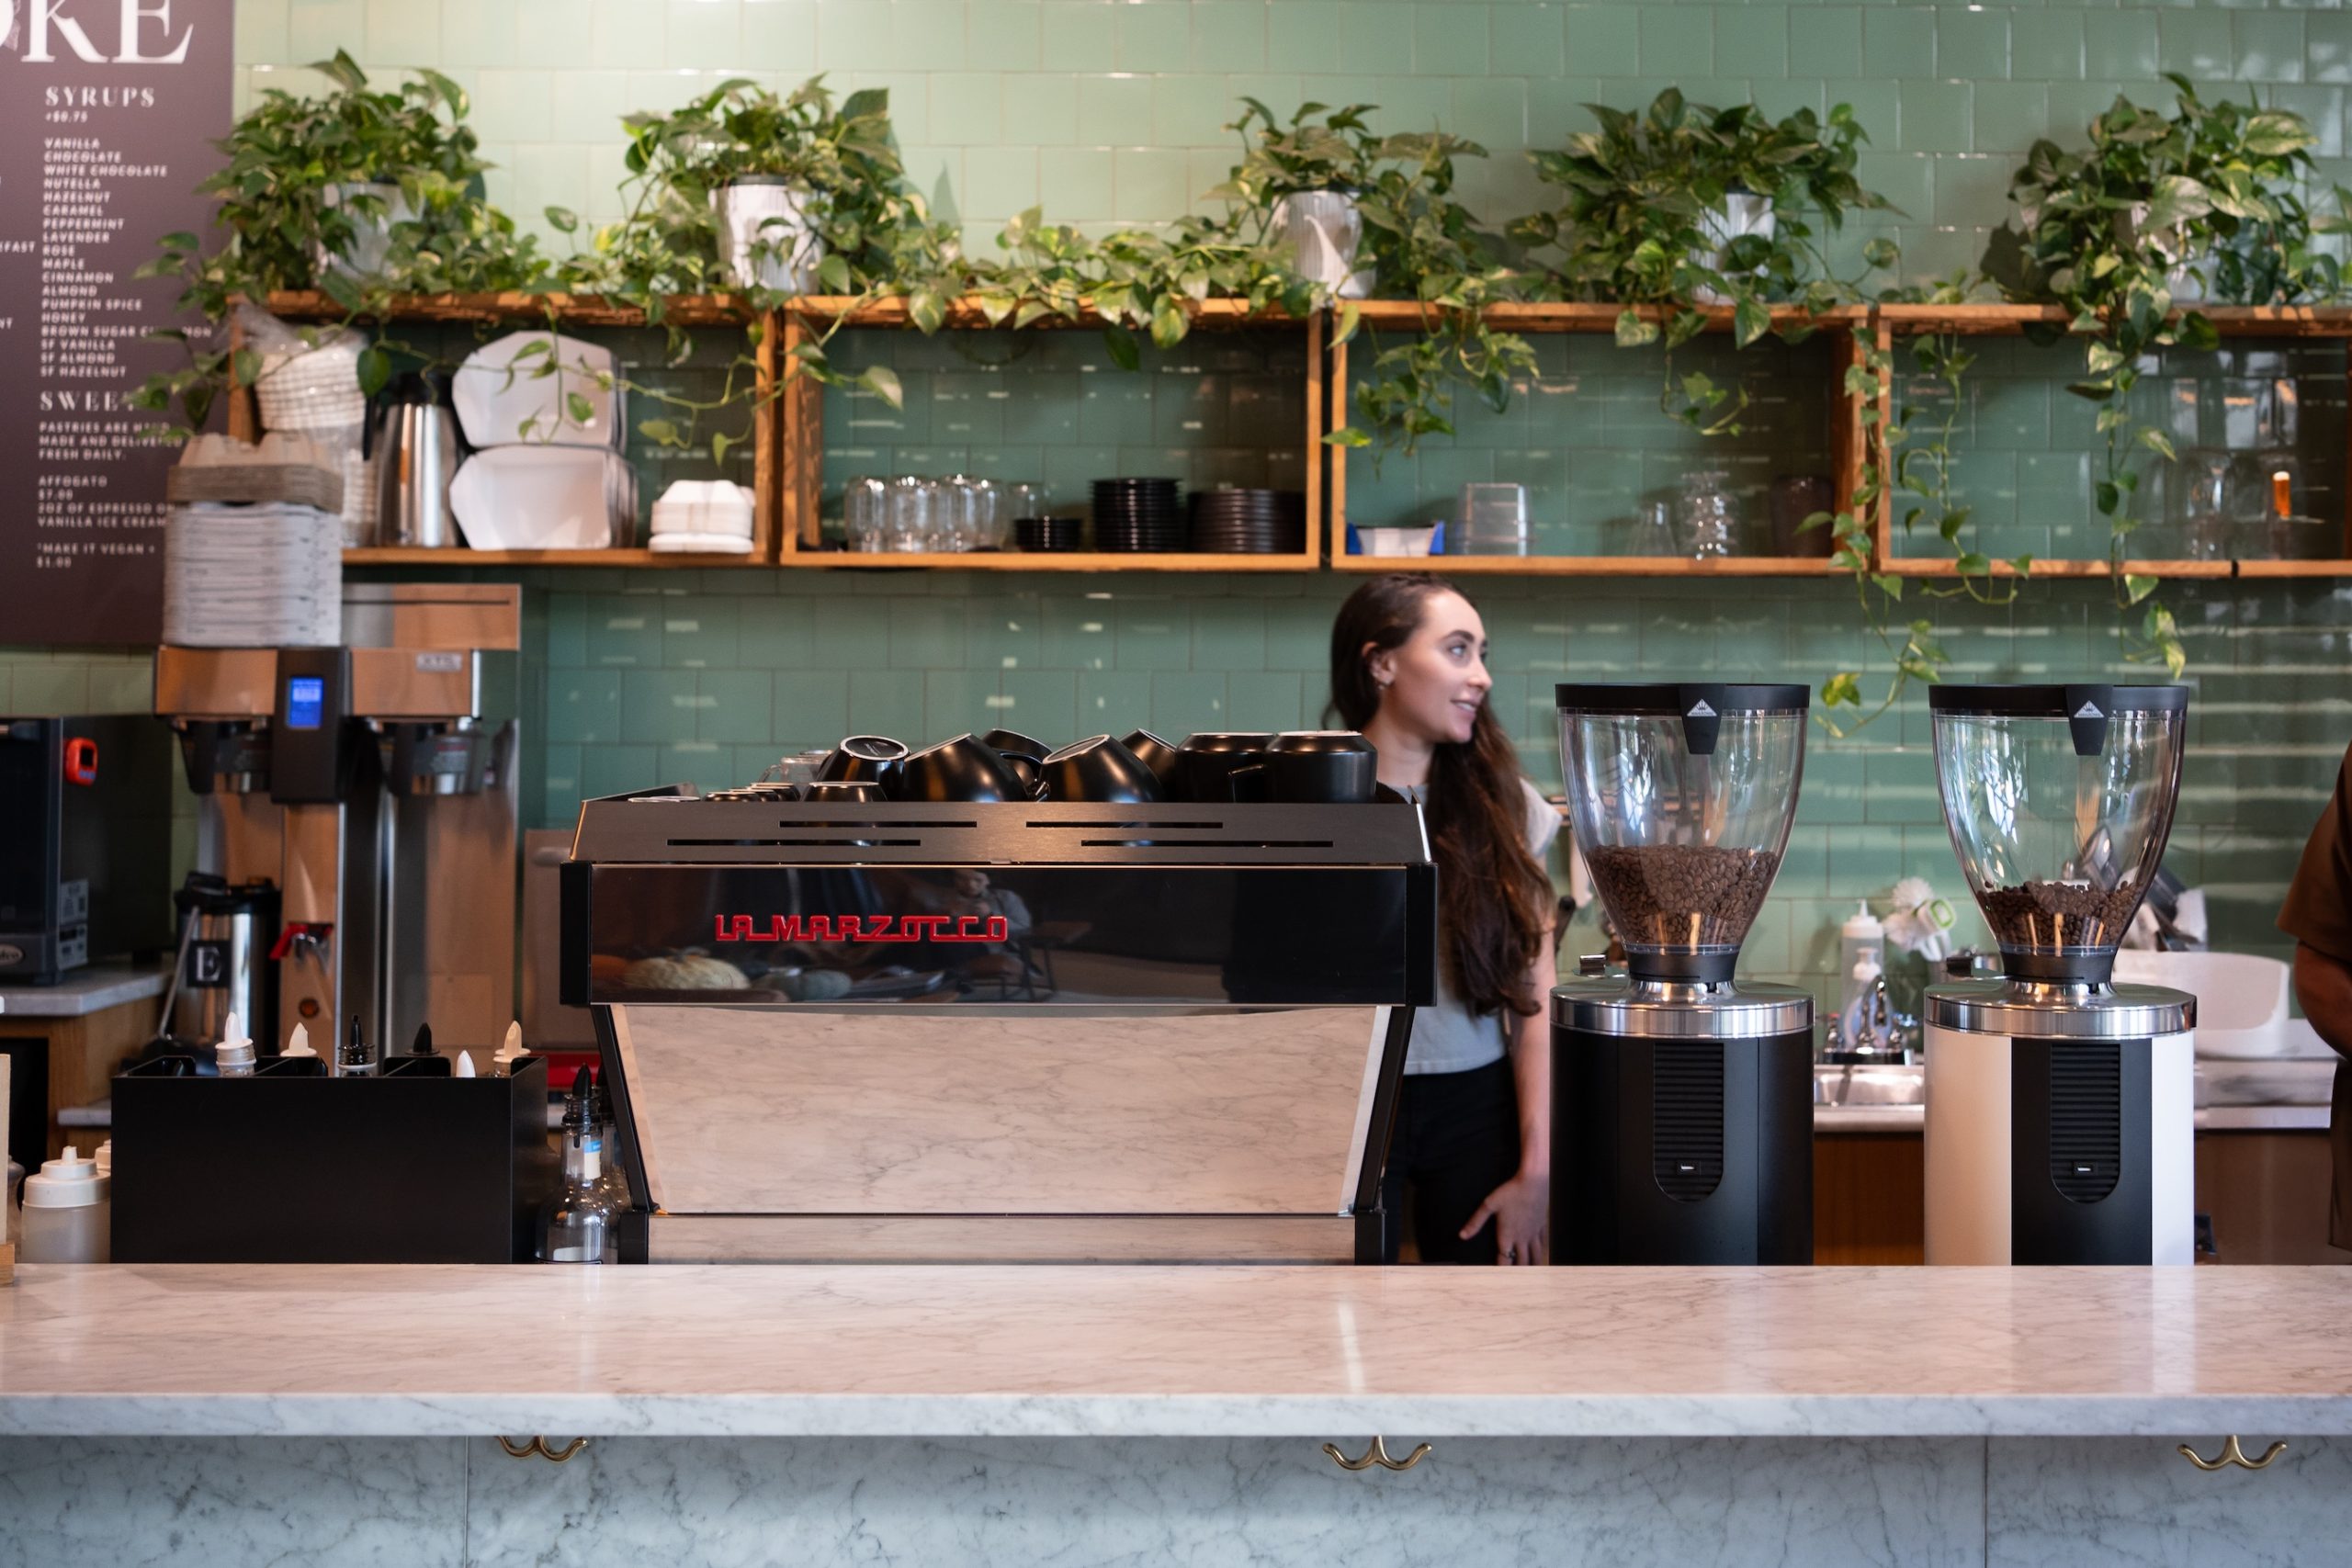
(301,177)
(1641,223)
(672,240)
(1419,243)
(2115,234)
(1907,471)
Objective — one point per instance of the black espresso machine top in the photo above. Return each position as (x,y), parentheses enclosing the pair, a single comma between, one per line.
(1007,1031)
(675,898)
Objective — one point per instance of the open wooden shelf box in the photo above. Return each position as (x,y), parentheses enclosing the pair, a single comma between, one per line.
(788,433)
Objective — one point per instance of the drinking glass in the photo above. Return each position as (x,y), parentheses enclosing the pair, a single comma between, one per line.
(985,521)
(865,513)
(2200,503)
(1653,530)
(1710,516)
(1025,498)
(913,500)
(1492,521)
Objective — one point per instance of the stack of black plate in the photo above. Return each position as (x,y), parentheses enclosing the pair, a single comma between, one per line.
(1250,522)
(1138,514)
(1049,532)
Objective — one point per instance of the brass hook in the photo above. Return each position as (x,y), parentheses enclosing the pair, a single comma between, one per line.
(1376,1454)
(2231,1454)
(538,1446)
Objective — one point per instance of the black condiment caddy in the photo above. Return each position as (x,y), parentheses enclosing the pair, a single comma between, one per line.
(290,1166)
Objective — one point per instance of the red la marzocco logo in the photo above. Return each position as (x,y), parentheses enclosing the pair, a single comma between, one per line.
(862,928)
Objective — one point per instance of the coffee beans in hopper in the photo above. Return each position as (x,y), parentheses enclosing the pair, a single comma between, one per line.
(1682,896)
(2059,914)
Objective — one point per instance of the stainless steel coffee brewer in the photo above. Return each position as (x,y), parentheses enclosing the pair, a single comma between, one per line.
(372,786)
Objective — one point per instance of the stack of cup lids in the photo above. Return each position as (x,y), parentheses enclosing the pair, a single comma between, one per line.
(703,517)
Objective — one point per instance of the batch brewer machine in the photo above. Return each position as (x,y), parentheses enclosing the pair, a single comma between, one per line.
(1000,1031)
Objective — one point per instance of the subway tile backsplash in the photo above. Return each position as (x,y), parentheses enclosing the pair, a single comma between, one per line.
(640,689)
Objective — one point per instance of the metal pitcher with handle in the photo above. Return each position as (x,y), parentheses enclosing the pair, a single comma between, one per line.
(414,447)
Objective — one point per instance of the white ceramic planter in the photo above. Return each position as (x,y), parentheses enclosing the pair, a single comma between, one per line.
(1323,230)
(772,241)
(2182,284)
(1741,214)
(371,237)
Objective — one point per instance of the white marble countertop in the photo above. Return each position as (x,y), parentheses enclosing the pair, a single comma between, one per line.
(84,991)
(139,1349)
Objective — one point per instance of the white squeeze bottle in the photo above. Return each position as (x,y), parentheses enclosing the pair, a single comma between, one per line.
(1862,959)
(66,1217)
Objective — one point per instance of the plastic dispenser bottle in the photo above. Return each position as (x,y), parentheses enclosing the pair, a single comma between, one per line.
(234,1054)
(66,1217)
(1862,959)
(579,1226)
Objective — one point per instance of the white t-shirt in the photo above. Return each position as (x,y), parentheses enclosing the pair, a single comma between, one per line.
(1447,1036)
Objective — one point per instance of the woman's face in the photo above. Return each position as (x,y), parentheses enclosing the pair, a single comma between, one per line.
(1433,685)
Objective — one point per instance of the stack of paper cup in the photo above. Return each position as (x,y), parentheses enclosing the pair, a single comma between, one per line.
(267,575)
(315,390)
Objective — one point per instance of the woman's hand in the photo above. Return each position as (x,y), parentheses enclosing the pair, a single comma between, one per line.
(1521,1209)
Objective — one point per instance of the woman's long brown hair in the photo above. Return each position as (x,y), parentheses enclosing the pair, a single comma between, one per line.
(1493,901)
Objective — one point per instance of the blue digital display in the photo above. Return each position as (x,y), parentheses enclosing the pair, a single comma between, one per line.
(305,697)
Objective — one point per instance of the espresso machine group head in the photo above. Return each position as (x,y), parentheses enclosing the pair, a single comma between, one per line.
(1682,1102)
(2060,1105)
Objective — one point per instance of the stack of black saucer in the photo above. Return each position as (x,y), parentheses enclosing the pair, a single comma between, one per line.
(1250,522)
(1138,514)
(1049,532)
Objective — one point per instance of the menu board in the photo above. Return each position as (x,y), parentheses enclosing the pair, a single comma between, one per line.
(108,110)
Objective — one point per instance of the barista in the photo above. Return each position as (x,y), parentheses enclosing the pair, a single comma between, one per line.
(2318,915)
(1473,1140)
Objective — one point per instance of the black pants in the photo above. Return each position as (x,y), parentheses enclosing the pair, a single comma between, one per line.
(1456,1140)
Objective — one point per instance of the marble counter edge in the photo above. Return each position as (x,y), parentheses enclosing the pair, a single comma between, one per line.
(1128,1415)
(84,992)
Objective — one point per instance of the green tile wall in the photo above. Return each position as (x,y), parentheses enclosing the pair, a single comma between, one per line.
(655,679)
(1109,112)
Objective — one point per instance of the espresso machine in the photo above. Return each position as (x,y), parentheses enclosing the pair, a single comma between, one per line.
(357,807)
(1682,1101)
(2061,1107)
(897,1028)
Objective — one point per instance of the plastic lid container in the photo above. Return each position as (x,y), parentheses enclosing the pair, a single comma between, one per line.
(2060,801)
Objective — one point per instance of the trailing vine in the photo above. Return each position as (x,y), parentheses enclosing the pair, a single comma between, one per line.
(2156,207)
(1642,225)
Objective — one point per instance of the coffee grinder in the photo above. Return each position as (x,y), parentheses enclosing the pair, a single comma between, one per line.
(2060,1105)
(1682,1103)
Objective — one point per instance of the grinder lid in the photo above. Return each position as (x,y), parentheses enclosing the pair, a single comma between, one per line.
(2056,700)
(1676,699)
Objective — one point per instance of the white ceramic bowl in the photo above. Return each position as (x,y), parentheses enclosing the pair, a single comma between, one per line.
(540,497)
(518,388)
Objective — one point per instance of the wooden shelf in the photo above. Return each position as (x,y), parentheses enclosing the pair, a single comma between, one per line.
(802,448)
(1411,315)
(1921,566)
(2230,320)
(1593,566)
(789,441)
(1045,560)
(569,309)
(411,555)
(964,314)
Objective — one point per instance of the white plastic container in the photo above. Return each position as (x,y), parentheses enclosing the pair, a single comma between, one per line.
(66,1217)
